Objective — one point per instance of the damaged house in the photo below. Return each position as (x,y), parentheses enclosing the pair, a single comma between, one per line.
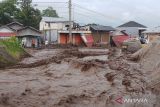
(87,35)
(101,34)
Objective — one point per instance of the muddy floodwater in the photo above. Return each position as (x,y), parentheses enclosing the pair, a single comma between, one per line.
(66,78)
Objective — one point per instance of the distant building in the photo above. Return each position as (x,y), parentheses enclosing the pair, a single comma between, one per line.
(28,36)
(6,32)
(101,34)
(83,38)
(88,35)
(132,28)
(152,33)
(15,25)
(51,25)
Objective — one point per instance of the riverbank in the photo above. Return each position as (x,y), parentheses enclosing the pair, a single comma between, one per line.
(10,52)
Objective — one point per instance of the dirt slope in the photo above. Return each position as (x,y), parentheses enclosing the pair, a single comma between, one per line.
(5,58)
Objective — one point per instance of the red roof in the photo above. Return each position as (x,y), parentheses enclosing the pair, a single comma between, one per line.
(5,34)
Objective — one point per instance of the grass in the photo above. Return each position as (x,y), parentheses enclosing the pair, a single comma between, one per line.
(13,48)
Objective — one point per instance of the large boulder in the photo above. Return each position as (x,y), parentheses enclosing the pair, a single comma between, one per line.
(132,45)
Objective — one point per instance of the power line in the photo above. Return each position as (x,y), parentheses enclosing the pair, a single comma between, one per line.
(92,11)
(51,2)
(87,16)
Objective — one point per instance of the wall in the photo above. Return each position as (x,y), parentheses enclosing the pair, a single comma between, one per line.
(54,26)
(6,33)
(53,33)
(101,37)
(131,31)
(6,30)
(76,39)
(28,41)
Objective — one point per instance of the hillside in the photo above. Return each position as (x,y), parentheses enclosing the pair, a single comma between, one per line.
(10,52)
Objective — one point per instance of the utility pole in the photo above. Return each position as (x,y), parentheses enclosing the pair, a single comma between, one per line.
(70,21)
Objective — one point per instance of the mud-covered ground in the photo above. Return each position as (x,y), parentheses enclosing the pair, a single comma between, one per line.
(75,78)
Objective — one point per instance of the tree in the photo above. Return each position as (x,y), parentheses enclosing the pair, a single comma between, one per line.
(29,16)
(49,12)
(8,10)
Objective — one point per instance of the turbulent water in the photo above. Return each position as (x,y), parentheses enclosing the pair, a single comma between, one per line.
(49,80)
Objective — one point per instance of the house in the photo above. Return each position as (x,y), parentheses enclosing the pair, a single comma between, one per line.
(10,30)
(152,34)
(29,36)
(78,38)
(15,25)
(132,28)
(51,25)
(101,34)
(6,32)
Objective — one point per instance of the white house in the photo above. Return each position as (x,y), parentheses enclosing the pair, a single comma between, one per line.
(132,28)
(51,25)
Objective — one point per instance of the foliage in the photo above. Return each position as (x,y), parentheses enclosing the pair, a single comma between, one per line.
(21,11)
(49,12)
(29,16)
(13,47)
(7,11)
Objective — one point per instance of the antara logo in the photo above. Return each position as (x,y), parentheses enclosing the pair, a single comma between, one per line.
(122,100)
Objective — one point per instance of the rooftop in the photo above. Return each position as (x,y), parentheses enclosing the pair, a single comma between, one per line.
(132,24)
(102,28)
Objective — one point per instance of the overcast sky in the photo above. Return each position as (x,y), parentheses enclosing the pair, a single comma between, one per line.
(113,12)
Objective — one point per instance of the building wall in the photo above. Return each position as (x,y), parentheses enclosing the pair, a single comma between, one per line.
(54,26)
(53,34)
(52,29)
(131,31)
(5,30)
(63,38)
(76,39)
(28,41)
(6,33)
(101,37)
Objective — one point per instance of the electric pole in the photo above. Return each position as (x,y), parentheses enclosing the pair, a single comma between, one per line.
(70,21)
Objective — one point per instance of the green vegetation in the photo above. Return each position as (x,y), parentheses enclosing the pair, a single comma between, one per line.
(12,46)
(10,51)
(24,12)
(49,12)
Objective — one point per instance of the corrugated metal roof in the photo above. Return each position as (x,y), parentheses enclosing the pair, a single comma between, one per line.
(132,24)
(102,28)
(53,19)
